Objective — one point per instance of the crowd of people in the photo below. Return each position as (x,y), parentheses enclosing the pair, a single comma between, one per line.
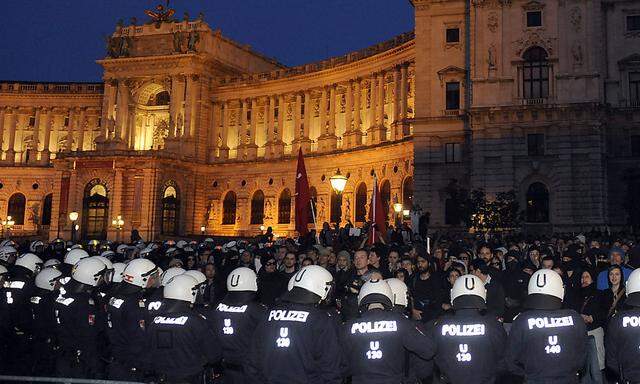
(325,308)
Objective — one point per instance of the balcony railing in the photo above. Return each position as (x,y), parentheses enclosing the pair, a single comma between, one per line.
(27,87)
(451,112)
(534,101)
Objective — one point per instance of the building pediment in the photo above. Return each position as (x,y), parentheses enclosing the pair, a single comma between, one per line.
(533,6)
(631,61)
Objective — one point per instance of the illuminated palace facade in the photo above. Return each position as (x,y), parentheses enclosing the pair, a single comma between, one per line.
(192,133)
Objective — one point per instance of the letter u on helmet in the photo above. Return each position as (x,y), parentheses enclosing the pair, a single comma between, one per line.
(242,279)
(182,287)
(314,279)
(468,292)
(546,282)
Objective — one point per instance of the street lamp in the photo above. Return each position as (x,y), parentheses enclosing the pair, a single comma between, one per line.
(338,182)
(202,229)
(397,207)
(406,212)
(73,216)
(118,223)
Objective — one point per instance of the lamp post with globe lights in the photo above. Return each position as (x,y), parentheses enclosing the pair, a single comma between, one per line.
(118,224)
(73,216)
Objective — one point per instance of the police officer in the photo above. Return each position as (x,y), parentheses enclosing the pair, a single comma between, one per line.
(546,343)
(416,368)
(180,341)
(297,342)
(126,313)
(375,343)
(70,259)
(622,350)
(18,292)
(468,343)
(5,326)
(235,320)
(8,256)
(77,328)
(41,302)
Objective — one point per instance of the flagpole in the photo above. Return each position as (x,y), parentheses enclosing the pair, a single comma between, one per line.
(315,223)
(373,202)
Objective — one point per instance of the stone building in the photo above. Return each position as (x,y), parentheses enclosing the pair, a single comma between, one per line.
(191,132)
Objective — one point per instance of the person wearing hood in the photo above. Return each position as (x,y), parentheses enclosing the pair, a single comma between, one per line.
(615,294)
(296,342)
(235,320)
(469,344)
(616,257)
(547,344)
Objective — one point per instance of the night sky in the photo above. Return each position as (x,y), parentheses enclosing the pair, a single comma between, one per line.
(59,40)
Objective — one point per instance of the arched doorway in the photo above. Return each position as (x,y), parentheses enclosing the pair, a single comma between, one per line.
(257,207)
(229,208)
(170,210)
(284,207)
(17,204)
(537,203)
(95,211)
(361,203)
(46,210)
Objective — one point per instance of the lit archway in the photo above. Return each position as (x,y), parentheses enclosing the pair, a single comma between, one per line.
(170,210)
(95,208)
(229,208)
(17,204)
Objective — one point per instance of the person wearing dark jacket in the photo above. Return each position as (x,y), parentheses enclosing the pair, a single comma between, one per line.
(615,295)
(495,292)
(271,283)
(592,307)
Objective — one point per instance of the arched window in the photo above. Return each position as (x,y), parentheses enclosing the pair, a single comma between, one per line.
(229,208)
(284,207)
(385,196)
(314,199)
(257,207)
(162,98)
(95,206)
(46,210)
(537,203)
(336,207)
(361,203)
(170,211)
(535,74)
(17,203)
(407,193)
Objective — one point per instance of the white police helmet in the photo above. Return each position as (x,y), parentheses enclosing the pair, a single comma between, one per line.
(170,274)
(7,252)
(199,276)
(468,292)
(632,287)
(110,255)
(314,279)
(140,272)
(36,246)
(242,279)
(75,255)
(118,268)
(546,290)
(30,262)
(88,271)
(3,270)
(47,278)
(182,287)
(375,291)
(108,277)
(51,263)
(400,291)
(181,244)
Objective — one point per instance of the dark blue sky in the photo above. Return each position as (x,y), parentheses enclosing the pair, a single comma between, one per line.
(59,40)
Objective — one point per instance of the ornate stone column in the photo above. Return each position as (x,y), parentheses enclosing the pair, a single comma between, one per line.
(81,126)
(404,87)
(302,120)
(215,132)
(33,152)
(70,130)
(121,113)
(223,151)
(13,127)
(352,135)
(48,122)
(372,105)
(2,116)
(327,141)
(252,147)
(377,131)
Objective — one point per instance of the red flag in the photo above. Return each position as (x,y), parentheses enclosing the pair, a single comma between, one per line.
(303,196)
(376,214)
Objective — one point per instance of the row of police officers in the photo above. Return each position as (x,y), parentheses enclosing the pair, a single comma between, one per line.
(89,318)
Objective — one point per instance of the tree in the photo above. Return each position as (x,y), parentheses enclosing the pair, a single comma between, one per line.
(499,214)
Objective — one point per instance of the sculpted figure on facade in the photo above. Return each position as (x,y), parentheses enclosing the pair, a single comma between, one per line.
(194,38)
